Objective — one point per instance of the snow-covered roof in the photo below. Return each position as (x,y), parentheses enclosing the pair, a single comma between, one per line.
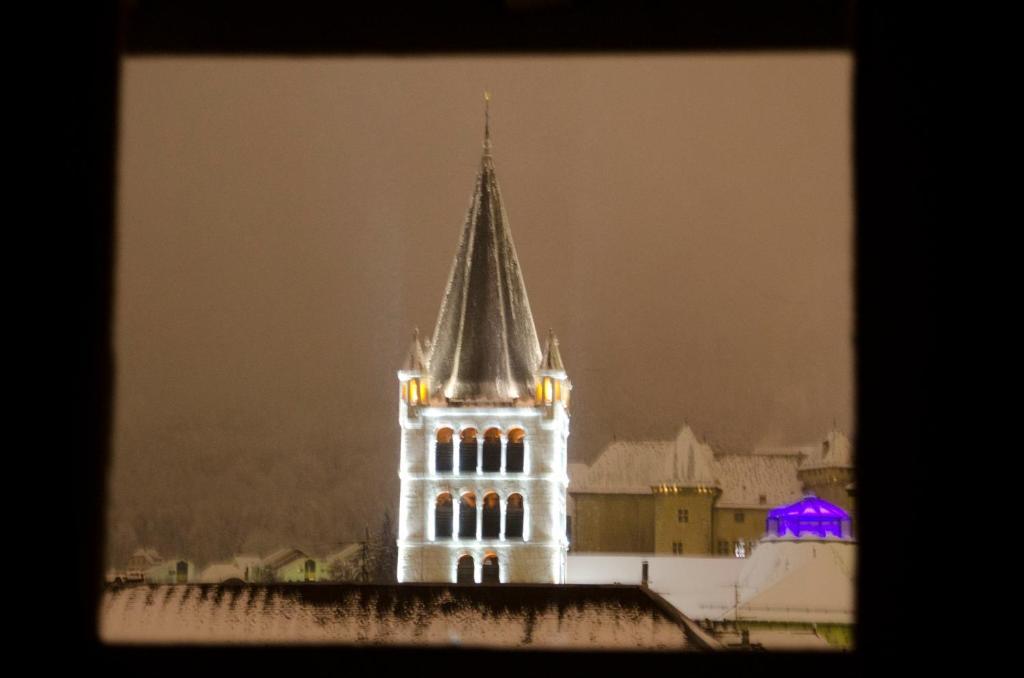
(634,467)
(414,359)
(701,587)
(835,451)
(282,557)
(220,572)
(552,360)
(505,616)
(150,555)
(744,478)
(344,553)
(247,560)
(785,451)
(798,581)
(779,639)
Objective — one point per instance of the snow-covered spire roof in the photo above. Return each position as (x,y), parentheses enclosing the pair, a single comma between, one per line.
(485,346)
(552,360)
(414,360)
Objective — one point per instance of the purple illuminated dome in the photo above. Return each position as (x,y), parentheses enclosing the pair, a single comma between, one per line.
(812,517)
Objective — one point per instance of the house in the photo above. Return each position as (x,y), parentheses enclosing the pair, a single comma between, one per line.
(140,561)
(290,565)
(171,571)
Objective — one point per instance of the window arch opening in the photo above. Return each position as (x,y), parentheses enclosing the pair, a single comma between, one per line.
(464,571)
(489,573)
(443,511)
(467,451)
(514,517)
(514,451)
(491,519)
(443,456)
(492,451)
(467,516)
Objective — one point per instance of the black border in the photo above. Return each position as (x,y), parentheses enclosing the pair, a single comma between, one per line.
(893,139)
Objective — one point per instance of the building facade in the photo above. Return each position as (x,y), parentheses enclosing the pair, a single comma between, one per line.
(485,422)
(679,497)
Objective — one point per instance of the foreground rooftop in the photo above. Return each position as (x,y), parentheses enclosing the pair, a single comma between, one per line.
(525,616)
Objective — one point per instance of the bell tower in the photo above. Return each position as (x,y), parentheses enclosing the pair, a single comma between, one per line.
(485,421)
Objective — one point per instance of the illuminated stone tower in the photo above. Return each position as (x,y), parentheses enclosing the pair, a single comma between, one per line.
(485,420)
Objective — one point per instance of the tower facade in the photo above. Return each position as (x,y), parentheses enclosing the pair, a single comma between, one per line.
(485,422)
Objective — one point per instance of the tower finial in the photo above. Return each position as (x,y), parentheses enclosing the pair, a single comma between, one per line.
(487,121)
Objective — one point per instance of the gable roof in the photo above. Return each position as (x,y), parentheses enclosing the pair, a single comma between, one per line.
(634,467)
(282,557)
(835,451)
(745,477)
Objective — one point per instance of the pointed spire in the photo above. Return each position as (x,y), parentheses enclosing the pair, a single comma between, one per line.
(485,346)
(552,356)
(487,122)
(414,360)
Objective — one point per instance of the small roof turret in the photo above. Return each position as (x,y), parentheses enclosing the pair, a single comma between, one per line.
(552,360)
(414,359)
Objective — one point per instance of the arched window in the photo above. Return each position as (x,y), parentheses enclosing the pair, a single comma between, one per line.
(492,451)
(489,571)
(181,572)
(443,456)
(514,451)
(467,451)
(491,527)
(464,571)
(310,570)
(443,517)
(514,517)
(467,516)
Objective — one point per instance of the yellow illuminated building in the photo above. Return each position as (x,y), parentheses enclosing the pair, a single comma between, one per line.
(677,497)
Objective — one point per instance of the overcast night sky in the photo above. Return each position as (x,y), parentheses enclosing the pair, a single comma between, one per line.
(684,223)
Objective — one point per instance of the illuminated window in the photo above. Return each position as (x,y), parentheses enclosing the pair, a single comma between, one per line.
(514,517)
(443,509)
(464,571)
(467,451)
(489,572)
(514,451)
(492,451)
(491,527)
(443,454)
(467,516)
